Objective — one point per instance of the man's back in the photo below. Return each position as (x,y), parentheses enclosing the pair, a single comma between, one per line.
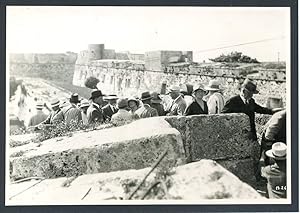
(37,118)
(146,111)
(94,114)
(71,114)
(178,107)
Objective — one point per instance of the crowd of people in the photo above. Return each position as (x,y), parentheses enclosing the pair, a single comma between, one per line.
(193,100)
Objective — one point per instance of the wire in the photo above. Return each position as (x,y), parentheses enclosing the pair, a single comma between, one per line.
(241,44)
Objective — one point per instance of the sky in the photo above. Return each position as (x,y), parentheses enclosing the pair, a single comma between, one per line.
(54,29)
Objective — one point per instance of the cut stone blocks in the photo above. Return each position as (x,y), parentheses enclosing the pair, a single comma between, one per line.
(195,181)
(217,137)
(133,146)
(242,168)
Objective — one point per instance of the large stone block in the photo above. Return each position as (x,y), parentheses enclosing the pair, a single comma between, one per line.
(200,180)
(133,146)
(242,168)
(180,123)
(224,136)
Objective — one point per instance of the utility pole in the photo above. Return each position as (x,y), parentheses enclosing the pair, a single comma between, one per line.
(278,57)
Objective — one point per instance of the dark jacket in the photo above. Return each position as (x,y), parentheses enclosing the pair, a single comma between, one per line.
(160,109)
(95,114)
(195,109)
(108,111)
(237,105)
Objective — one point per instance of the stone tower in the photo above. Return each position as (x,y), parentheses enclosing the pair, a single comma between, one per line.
(95,51)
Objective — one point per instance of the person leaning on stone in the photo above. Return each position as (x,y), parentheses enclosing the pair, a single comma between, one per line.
(110,108)
(215,100)
(244,103)
(198,106)
(94,112)
(156,104)
(276,173)
(122,117)
(275,130)
(39,117)
(146,110)
(178,105)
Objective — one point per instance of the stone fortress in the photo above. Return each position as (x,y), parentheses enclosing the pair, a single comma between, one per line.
(160,69)
(106,160)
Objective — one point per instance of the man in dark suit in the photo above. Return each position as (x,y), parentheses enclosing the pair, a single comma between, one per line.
(110,108)
(95,112)
(244,103)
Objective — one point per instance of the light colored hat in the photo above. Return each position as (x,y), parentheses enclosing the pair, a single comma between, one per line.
(213,85)
(122,103)
(110,97)
(198,87)
(84,103)
(174,88)
(134,99)
(54,103)
(278,151)
(39,105)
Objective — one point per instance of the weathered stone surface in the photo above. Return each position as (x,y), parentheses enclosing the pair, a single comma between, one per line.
(18,140)
(133,146)
(223,136)
(242,168)
(179,123)
(195,181)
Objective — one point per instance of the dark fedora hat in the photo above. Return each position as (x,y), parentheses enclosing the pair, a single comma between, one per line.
(155,98)
(146,96)
(96,93)
(74,98)
(250,86)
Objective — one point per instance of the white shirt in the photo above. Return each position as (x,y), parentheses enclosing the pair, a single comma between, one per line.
(215,103)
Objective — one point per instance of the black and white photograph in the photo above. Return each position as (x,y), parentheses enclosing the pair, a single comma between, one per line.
(141,105)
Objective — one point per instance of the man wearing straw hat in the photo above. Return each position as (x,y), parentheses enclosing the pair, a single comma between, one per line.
(215,100)
(55,116)
(276,173)
(39,117)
